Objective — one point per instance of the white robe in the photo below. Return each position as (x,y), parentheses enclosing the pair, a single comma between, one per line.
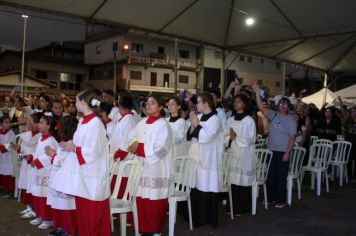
(114,114)
(40,177)
(28,146)
(90,179)
(56,199)
(7,159)
(208,151)
(242,168)
(222,116)
(180,145)
(110,126)
(156,180)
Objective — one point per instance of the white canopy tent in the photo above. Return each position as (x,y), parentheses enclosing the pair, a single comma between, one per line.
(349,92)
(317,33)
(325,96)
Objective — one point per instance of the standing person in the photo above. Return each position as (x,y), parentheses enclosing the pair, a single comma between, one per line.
(18,115)
(207,147)
(240,135)
(41,173)
(329,125)
(281,139)
(219,110)
(109,97)
(151,141)
(179,127)
(63,205)
(7,175)
(57,113)
(29,141)
(262,121)
(45,103)
(87,175)
(105,109)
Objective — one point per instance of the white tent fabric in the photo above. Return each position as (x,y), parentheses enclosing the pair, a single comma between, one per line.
(317,33)
(349,92)
(330,98)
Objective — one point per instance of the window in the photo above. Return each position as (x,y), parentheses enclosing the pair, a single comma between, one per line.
(161,50)
(135,74)
(183,53)
(278,66)
(165,80)
(98,49)
(41,74)
(114,46)
(153,79)
(242,58)
(249,59)
(70,81)
(137,47)
(184,79)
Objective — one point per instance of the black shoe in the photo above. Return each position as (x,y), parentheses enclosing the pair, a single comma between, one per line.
(55,232)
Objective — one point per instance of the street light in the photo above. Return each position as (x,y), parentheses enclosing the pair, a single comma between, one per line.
(23,52)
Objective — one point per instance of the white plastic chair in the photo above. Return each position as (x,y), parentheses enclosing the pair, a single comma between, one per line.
(133,169)
(323,141)
(184,179)
(313,139)
(263,161)
(295,170)
(339,160)
(259,136)
(259,146)
(17,168)
(319,157)
(340,138)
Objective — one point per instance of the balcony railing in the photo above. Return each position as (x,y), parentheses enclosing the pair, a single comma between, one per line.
(163,60)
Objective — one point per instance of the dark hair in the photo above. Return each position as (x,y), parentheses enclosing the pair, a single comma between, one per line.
(109,91)
(88,96)
(36,117)
(51,121)
(46,98)
(126,102)
(22,103)
(244,98)
(68,126)
(206,97)
(215,91)
(3,118)
(160,102)
(56,101)
(106,107)
(284,99)
(177,100)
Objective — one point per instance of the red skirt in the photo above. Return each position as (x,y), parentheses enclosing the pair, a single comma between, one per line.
(7,182)
(41,208)
(152,214)
(65,219)
(93,217)
(26,198)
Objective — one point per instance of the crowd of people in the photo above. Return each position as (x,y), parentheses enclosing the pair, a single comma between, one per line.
(65,147)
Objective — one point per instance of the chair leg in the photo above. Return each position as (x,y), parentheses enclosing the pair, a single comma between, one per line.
(353,168)
(312,179)
(265,195)
(302,176)
(318,183)
(231,206)
(254,198)
(332,173)
(289,189)
(190,214)
(135,217)
(112,222)
(327,181)
(341,174)
(123,224)
(299,187)
(172,215)
(346,174)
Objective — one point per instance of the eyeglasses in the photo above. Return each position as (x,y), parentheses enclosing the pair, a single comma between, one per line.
(150,103)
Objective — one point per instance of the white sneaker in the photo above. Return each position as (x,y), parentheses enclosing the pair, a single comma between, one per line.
(27,210)
(36,221)
(45,225)
(29,215)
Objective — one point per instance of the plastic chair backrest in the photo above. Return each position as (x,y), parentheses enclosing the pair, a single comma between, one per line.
(340,137)
(184,173)
(341,151)
(259,136)
(264,157)
(322,141)
(227,158)
(320,155)
(313,139)
(133,169)
(259,146)
(296,161)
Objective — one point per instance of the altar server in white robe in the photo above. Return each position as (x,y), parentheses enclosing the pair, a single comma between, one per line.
(179,127)
(152,143)
(240,136)
(121,138)
(109,96)
(7,163)
(87,176)
(41,173)
(63,205)
(29,140)
(207,147)
(105,109)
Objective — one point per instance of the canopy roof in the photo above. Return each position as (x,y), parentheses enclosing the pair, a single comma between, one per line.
(349,92)
(317,33)
(330,98)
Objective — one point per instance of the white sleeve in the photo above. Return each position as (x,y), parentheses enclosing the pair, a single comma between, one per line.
(209,130)
(181,132)
(45,159)
(129,126)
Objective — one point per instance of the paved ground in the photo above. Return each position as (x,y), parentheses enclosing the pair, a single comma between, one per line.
(331,214)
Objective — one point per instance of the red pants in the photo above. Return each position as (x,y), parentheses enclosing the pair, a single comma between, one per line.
(41,208)
(7,182)
(65,219)
(93,217)
(152,214)
(26,198)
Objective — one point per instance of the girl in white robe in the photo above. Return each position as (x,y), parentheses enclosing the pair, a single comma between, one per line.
(63,205)
(178,125)
(240,136)
(206,146)
(29,140)
(7,163)
(152,144)
(87,175)
(41,173)
(105,109)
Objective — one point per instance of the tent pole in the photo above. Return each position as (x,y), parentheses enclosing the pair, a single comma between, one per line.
(175,65)
(325,87)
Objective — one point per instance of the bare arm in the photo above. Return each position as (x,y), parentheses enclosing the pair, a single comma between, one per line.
(256,88)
